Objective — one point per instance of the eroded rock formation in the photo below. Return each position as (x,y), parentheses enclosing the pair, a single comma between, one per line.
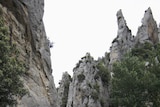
(148,31)
(88,87)
(124,40)
(24,19)
(88,90)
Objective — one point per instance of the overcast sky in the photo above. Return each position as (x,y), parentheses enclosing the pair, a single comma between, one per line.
(80,26)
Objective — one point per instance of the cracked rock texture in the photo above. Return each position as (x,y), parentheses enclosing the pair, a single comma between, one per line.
(24,19)
(124,40)
(86,89)
(148,31)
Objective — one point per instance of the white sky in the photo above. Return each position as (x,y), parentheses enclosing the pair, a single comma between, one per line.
(80,26)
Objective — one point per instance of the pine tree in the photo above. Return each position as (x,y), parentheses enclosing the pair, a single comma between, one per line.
(136,83)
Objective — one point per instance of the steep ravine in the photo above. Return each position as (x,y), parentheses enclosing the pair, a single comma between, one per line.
(89,86)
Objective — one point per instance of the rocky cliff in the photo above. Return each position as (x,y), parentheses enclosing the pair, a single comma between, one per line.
(87,88)
(125,41)
(24,20)
(90,82)
(148,31)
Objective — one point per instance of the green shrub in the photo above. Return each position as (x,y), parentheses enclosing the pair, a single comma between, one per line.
(102,102)
(11,69)
(96,87)
(81,77)
(135,84)
(94,95)
(103,73)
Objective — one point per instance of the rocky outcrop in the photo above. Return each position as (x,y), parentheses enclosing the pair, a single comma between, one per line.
(24,20)
(90,86)
(63,89)
(86,88)
(124,40)
(148,31)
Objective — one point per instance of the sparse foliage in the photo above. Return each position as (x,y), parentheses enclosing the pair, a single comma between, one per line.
(81,77)
(103,73)
(11,69)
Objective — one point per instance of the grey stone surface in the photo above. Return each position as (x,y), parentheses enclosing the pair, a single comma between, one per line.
(24,17)
(85,90)
(148,31)
(124,40)
(63,89)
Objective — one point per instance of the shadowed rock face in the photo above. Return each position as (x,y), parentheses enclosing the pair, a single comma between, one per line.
(24,18)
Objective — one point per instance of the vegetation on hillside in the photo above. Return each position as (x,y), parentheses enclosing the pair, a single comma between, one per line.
(136,78)
(11,69)
(103,73)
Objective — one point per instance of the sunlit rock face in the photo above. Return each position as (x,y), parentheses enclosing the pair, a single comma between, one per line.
(148,31)
(24,19)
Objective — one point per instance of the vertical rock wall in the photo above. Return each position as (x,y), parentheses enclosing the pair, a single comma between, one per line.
(24,19)
(86,89)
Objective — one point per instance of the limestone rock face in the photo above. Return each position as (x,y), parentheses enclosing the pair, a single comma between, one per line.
(24,20)
(85,89)
(148,31)
(63,89)
(124,40)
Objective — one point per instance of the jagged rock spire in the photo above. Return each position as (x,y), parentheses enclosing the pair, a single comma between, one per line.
(148,31)
(147,17)
(63,89)
(124,40)
(120,20)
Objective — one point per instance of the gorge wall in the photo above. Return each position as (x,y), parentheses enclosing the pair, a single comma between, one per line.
(24,19)
(89,86)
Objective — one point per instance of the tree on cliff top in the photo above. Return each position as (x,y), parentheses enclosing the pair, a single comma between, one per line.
(11,69)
